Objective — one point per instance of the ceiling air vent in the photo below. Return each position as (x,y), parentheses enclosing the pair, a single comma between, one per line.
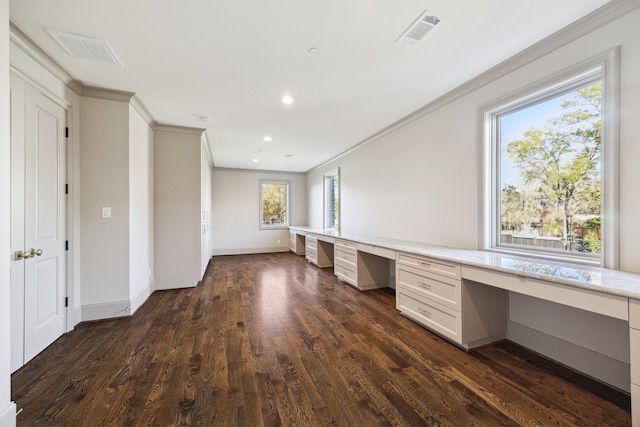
(419,28)
(85,47)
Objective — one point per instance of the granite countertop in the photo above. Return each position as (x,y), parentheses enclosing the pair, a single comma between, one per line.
(597,279)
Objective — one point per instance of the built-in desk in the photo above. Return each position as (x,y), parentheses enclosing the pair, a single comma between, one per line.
(462,294)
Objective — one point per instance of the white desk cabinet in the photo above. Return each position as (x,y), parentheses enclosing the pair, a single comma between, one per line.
(433,294)
(362,270)
(296,243)
(318,252)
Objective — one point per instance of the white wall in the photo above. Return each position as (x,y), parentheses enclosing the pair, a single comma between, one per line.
(104,170)
(140,208)
(206,171)
(177,209)
(7,407)
(420,182)
(236,211)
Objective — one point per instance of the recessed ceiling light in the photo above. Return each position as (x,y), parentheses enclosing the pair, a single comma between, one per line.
(267,138)
(256,160)
(287,99)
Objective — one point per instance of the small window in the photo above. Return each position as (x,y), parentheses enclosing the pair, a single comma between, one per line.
(274,204)
(332,199)
(547,159)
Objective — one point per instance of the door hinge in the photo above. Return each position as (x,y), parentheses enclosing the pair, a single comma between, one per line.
(66,132)
(66,245)
(66,301)
(66,189)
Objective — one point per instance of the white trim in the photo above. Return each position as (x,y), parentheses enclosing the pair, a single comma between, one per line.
(284,226)
(597,365)
(257,171)
(107,94)
(607,67)
(8,415)
(325,196)
(20,38)
(108,310)
(250,251)
(163,288)
(140,298)
(177,129)
(611,158)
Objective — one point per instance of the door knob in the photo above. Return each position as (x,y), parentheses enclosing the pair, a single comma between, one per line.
(35,252)
(20,255)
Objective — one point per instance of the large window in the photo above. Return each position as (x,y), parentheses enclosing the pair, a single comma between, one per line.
(274,204)
(547,164)
(332,199)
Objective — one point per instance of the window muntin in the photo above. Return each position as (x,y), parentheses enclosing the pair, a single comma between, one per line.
(274,204)
(332,199)
(574,219)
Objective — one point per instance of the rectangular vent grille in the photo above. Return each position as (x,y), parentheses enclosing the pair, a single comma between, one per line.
(420,27)
(85,47)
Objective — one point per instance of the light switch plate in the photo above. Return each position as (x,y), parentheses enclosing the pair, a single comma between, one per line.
(106,212)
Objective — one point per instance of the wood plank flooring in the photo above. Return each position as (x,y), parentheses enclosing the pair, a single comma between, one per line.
(269,340)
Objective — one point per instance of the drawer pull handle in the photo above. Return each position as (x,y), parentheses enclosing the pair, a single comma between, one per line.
(424,285)
(426,264)
(425,312)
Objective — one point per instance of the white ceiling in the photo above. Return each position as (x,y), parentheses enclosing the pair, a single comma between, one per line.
(233,61)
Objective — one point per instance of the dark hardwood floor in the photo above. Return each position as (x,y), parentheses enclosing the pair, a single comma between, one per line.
(270,340)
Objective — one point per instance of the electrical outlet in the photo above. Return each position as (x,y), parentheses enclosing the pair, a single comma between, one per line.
(278,241)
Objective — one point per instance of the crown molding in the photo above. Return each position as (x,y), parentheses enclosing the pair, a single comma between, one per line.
(158,127)
(258,171)
(106,94)
(598,18)
(22,40)
(139,106)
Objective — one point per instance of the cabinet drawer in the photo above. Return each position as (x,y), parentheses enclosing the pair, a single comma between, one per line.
(346,245)
(311,253)
(634,344)
(311,245)
(346,256)
(438,288)
(434,316)
(634,313)
(346,273)
(427,264)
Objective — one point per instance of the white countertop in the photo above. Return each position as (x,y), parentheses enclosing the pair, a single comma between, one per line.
(597,279)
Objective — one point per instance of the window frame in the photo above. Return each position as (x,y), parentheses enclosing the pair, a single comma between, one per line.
(284,226)
(606,65)
(327,177)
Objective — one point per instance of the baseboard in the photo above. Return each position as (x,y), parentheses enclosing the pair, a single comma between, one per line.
(77,315)
(249,251)
(160,287)
(8,415)
(140,298)
(106,311)
(596,365)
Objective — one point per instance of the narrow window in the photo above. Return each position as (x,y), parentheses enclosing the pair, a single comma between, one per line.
(274,204)
(546,168)
(332,199)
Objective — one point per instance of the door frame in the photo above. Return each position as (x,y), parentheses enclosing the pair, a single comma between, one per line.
(72,200)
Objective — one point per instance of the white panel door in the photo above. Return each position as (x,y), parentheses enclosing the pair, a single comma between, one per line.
(43,223)
(18,88)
